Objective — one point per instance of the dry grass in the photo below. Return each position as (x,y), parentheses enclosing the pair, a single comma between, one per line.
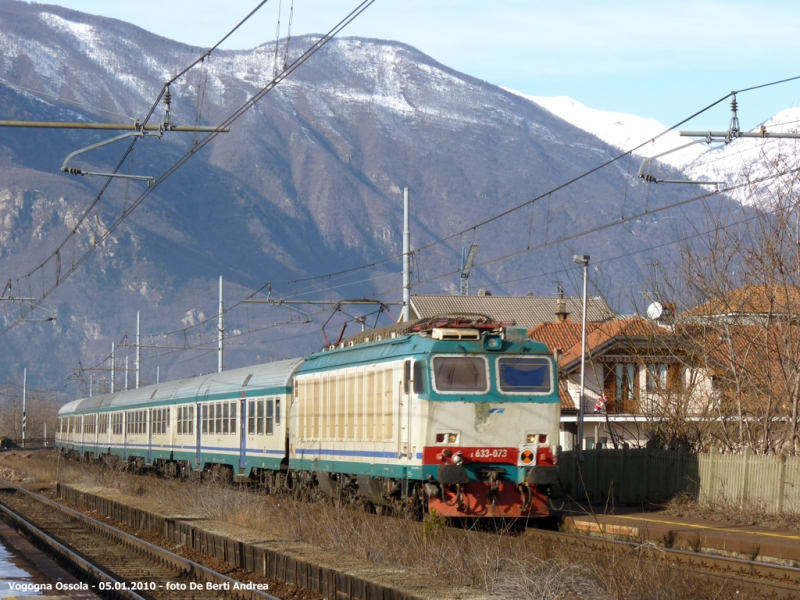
(503,563)
(733,511)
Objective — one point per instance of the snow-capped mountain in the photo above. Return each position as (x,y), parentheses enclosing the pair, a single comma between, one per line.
(307,182)
(646,137)
(744,159)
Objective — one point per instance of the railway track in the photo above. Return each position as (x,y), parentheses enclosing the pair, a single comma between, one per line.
(118,558)
(112,563)
(770,580)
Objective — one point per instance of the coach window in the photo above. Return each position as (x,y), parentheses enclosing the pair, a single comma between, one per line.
(205,418)
(226,415)
(191,420)
(251,417)
(218,417)
(460,374)
(277,411)
(233,417)
(260,417)
(270,416)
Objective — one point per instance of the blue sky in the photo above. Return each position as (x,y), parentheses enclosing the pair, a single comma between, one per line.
(664,60)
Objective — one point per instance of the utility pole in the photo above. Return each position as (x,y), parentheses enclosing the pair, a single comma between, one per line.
(112,367)
(24,399)
(406,260)
(126,372)
(138,348)
(221,328)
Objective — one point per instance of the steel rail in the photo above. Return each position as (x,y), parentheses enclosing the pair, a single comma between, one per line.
(85,566)
(174,560)
(784,581)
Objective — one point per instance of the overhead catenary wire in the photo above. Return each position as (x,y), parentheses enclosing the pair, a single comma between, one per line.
(181,161)
(495,217)
(548,193)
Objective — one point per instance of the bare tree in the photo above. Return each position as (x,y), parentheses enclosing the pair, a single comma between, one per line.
(739,285)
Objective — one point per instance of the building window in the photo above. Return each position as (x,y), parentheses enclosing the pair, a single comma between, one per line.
(621,390)
(656,376)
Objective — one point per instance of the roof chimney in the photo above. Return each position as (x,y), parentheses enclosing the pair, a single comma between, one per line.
(562,316)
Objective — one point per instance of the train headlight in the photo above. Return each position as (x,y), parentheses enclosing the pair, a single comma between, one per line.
(458,458)
(447,438)
(493,342)
(530,438)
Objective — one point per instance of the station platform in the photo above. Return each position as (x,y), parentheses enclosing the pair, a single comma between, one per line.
(781,546)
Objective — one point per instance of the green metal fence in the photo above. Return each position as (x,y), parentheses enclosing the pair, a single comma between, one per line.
(650,476)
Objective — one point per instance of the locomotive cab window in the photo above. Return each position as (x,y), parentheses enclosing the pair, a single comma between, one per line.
(460,374)
(524,375)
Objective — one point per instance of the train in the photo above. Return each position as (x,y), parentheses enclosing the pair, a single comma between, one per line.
(456,416)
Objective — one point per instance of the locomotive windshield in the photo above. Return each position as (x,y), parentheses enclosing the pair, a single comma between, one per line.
(460,374)
(520,375)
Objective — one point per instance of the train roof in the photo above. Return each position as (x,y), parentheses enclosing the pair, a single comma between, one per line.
(380,349)
(274,377)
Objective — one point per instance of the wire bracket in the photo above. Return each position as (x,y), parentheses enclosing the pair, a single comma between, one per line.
(75,171)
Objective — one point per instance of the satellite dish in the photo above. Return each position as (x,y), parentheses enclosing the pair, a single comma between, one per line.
(654,311)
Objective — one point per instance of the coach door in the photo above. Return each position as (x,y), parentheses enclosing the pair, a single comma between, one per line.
(242,433)
(405,410)
(125,435)
(199,433)
(150,436)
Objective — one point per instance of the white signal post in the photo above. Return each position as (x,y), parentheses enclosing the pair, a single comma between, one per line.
(582,259)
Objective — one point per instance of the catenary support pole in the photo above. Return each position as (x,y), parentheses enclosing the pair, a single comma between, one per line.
(138,348)
(220,363)
(24,400)
(406,260)
(112,367)
(126,372)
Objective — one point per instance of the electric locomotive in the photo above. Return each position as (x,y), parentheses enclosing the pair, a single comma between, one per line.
(457,415)
(460,413)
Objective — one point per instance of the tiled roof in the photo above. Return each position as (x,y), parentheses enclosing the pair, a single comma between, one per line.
(561,335)
(523,310)
(750,299)
(604,333)
(567,336)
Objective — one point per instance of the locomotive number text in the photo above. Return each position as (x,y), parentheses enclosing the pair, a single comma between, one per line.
(490,453)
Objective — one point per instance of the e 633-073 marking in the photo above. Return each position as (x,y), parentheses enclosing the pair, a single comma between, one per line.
(489,453)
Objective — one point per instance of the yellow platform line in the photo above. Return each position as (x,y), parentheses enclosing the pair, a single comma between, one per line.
(710,527)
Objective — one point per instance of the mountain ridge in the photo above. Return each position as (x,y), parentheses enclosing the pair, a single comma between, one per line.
(306,183)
